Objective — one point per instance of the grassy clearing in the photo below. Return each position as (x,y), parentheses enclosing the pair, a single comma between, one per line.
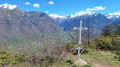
(94,59)
(101,57)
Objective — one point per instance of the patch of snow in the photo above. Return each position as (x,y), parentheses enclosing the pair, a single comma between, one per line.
(96,14)
(57,16)
(82,13)
(115,13)
(117,16)
(79,14)
(8,6)
(112,16)
(109,17)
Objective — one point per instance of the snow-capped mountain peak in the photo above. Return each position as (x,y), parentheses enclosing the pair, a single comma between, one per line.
(57,16)
(82,13)
(96,14)
(113,15)
(8,6)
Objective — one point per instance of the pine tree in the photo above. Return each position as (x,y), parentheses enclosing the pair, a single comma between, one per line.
(107,30)
(118,30)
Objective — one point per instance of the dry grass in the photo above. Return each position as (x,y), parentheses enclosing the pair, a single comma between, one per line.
(101,58)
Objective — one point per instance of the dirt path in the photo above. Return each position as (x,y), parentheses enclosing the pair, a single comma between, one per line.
(96,63)
(100,65)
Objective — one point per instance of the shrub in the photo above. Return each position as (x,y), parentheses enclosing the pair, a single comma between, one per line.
(73,47)
(69,46)
(7,58)
(20,58)
(116,43)
(70,61)
(103,42)
(118,55)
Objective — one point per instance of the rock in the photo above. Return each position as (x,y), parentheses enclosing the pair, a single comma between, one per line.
(80,62)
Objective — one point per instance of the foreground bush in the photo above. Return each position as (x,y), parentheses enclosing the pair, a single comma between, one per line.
(118,55)
(70,46)
(103,42)
(116,43)
(14,59)
(7,58)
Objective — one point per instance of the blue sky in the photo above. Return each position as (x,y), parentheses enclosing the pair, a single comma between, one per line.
(65,7)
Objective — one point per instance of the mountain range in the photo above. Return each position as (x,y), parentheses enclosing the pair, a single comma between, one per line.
(92,20)
(15,22)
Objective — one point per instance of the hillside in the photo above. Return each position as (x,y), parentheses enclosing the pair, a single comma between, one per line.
(116,23)
(18,23)
(94,21)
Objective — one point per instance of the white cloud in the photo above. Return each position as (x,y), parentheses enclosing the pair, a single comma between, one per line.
(96,8)
(46,12)
(27,3)
(115,13)
(36,5)
(51,3)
